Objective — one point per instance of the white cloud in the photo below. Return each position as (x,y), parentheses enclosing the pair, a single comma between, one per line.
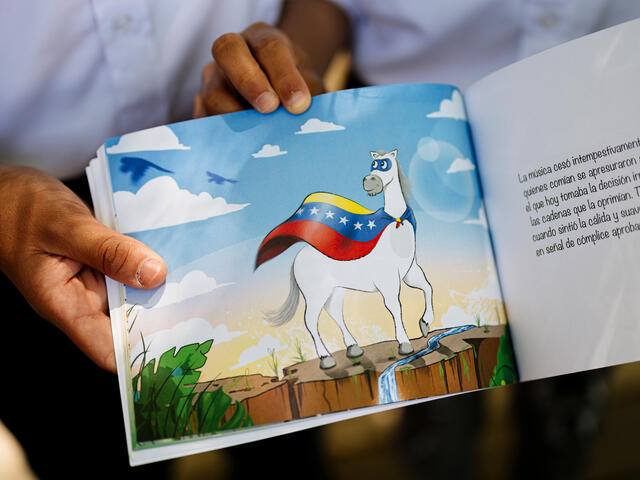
(162,203)
(157,138)
(461,165)
(194,330)
(453,108)
(490,291)
(192,284)
(456,317)
(314,125)
(257,352)
(269,150)
(481,220)
(484,302)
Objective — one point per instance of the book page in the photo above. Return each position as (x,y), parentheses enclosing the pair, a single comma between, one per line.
(558,144)
(320,266)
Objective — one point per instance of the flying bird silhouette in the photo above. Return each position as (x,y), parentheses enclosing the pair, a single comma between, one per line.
(214,177)
(138,166)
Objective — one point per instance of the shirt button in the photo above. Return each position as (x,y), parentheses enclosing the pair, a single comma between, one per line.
(547,20)
(122,23)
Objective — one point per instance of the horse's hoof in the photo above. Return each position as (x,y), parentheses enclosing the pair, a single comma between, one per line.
(424,327)
(354,351)
(405,348)
(327,362)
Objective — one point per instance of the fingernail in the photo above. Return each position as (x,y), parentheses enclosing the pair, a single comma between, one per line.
(266,102)
(297,101)
(147,272)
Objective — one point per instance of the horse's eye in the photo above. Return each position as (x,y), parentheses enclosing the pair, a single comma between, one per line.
(374,164)
(383,165)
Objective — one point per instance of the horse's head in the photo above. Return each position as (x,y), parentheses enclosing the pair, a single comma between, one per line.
(384,169)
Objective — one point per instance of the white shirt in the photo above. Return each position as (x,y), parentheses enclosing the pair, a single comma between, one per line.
(460,41)
(76,72)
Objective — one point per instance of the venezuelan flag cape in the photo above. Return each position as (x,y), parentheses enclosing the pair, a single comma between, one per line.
(338,227)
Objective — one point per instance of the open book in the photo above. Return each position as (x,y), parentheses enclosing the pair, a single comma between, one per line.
(363,254)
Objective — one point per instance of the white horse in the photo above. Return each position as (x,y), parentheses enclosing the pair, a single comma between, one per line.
(323,280)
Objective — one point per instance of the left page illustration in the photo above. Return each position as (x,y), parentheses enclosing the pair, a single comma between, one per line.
(317,263)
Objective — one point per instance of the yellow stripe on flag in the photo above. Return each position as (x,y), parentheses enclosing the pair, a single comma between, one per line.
(338,201)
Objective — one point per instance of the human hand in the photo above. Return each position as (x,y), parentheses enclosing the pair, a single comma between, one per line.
(55,251)
(260,68)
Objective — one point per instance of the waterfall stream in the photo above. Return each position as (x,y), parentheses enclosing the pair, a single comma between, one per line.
(387,386)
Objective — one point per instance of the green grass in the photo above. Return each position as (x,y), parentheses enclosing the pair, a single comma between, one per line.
(299,357)
(405,370)
(355,380)
(442,374)
(465,367)
(166,405)
(246,379)
(273,362)
(129,310)
(231,385)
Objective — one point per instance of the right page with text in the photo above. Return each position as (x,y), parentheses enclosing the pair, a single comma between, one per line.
(557,139)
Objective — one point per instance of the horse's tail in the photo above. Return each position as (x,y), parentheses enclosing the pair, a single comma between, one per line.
(288,308)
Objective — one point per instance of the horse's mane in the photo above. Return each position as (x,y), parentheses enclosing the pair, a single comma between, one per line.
(405,185)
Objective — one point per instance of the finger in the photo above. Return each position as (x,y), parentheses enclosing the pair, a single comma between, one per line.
(218,96)
(222,100)
(73,297)
(93,336)
(234,58)
(275,54)
(122,258)
(198,107)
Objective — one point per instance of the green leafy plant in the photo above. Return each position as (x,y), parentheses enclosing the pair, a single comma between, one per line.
(505,371)
(166,404)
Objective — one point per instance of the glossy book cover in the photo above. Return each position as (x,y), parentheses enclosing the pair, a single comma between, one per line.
(318,263)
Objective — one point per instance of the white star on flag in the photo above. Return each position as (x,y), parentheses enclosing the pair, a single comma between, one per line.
(371,224)
(314,211)
(343,220)
(299,212)
(329,214)
(357,226)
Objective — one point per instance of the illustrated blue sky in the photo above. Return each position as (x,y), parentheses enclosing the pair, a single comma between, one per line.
(376,118)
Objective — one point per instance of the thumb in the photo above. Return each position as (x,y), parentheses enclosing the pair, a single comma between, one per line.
(121,258)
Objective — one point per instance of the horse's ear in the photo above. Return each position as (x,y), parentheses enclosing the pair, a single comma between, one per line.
(374,155)
(394,154)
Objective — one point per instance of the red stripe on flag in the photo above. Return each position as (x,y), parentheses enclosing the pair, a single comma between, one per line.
(322,237)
